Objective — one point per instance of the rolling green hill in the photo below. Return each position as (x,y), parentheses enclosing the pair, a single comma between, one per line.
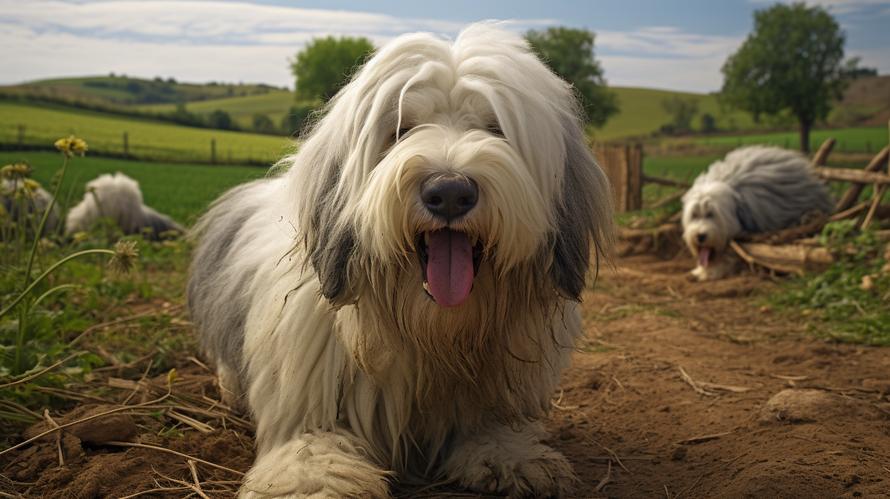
(147,139)
(242,109)
(125,91)
(641,113)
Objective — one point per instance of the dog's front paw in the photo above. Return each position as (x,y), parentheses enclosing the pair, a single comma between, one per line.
(512,463)
(321,465)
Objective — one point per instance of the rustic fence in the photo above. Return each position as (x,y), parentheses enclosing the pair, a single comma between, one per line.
(623,165)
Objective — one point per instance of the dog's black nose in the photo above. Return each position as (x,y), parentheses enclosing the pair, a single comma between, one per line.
(449,196)
(701,237)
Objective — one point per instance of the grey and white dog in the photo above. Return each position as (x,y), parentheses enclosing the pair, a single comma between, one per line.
(753,189)
(118,197)
(402,299)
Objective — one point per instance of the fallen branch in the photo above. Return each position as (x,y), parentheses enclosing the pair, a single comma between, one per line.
(788,258)
(695,386)
(875,202)
(790,234)
(668,199)
(852,194)
(855,176)
(703,438)
(662,230)
(821,155)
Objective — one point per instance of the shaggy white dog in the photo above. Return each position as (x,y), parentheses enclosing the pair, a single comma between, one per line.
(754,189)
(402,299)
(25,203)
(118,197)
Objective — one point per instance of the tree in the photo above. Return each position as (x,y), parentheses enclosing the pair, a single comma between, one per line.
(793,60)
(263,124)
(325,65)
(569,53)
(708,123)
(221,120)
(682,111)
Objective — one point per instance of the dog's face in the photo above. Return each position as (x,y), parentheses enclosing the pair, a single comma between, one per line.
(444,169)
(709,220)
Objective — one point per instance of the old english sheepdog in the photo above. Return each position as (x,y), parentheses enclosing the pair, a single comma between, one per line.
(118,197)
(399,302)
(753,189)
(24,201)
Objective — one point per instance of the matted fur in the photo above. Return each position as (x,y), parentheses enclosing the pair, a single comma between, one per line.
(118,197)
(753,189)
(307,291)
(24,206)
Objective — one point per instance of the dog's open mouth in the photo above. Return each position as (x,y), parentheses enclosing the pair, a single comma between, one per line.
(449,262)
(704,255)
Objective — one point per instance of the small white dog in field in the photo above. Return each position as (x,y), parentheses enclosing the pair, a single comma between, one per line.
(754,189)
(400,301)
(118,197)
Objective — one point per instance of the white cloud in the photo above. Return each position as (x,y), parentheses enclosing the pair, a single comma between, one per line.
(197,40)
(836,6)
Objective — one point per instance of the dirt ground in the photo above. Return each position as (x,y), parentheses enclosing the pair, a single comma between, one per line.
(679,389)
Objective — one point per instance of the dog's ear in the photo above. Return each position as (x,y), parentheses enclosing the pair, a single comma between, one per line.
(583,216)
(329,240)
(331,254)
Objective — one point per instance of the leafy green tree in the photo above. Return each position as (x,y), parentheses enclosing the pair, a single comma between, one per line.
(569,53)
(263,124)
(682,111)
(325,65)
(793,60)
(221,120)
(708,123)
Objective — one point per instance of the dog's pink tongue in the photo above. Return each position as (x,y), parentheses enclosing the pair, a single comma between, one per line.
(449,269)
(704,254)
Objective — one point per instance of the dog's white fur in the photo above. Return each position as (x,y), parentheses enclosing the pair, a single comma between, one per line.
(118,197)
(308,295)
(753,189)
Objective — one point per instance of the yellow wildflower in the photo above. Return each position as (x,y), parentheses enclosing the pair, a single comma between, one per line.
(71,145)
(15,170)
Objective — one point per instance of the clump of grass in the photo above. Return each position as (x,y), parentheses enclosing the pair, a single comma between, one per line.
(848,302)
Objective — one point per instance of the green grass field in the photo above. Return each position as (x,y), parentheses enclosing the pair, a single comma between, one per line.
(864,139)
(641,113)
(273,104)
(147,139)
(182,191)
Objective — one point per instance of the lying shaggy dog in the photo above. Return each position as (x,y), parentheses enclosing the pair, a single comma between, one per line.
(402,299)
(754,189)
(117,197)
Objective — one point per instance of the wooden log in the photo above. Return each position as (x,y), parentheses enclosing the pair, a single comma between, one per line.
(665,181)
(852,195)
(660,231)
(791,233)
(785,258)
(875,202)
(821,155)
(855,176)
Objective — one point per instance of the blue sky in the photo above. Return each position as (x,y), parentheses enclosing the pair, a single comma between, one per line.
(677,44)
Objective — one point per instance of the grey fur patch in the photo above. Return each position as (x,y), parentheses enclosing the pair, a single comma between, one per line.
(29,208)
(584,215)
(217,308)
(158,226)
(774,187)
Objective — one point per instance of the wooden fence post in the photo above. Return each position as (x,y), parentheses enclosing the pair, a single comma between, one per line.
(126,145)
(21,137)
(213,151)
